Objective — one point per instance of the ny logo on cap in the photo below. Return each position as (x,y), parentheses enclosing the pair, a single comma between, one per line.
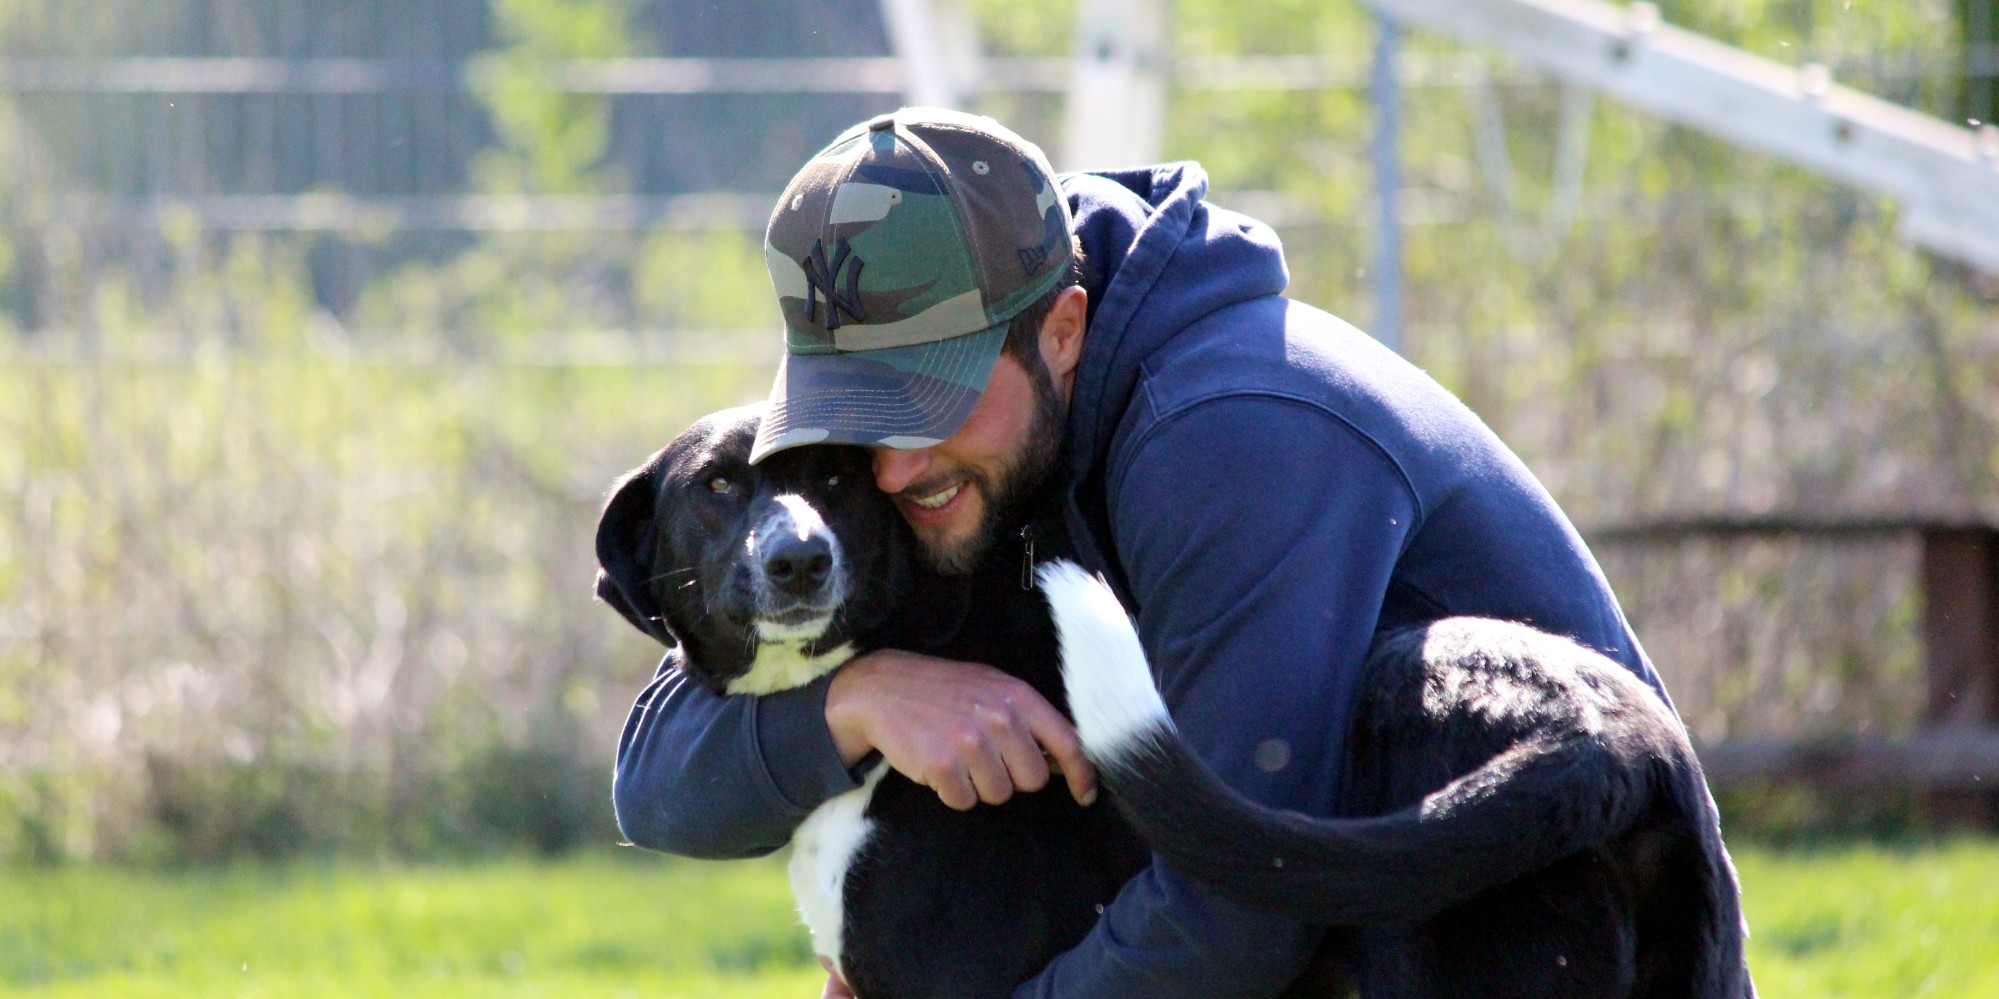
(823,283)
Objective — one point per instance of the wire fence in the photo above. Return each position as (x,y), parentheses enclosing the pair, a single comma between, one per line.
(323,326)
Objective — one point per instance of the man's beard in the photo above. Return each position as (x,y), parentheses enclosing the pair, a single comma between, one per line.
(1011,491)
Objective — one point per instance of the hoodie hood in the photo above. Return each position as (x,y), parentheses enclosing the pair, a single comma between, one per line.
(1157,259)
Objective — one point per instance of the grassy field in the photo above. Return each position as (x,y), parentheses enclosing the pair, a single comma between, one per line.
(591,925)
(1874,921)
(1834,922)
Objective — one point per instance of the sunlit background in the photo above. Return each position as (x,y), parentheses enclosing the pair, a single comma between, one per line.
(324,325)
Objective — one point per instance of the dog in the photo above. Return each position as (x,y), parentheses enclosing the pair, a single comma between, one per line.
(766,576)
(1538,824)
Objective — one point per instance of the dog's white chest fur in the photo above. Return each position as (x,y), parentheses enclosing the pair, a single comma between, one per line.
(821,851)
(783,665)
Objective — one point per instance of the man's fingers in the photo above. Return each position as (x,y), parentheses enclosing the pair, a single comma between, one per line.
(1055,735)
(967,731)
(955,789)
(986,763)
(1026,768)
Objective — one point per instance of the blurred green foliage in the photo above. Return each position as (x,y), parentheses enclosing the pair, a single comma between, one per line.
(285,571)
(272,602)
(552,142)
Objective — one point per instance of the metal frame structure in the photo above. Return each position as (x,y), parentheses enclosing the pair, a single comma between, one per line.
(1945,176)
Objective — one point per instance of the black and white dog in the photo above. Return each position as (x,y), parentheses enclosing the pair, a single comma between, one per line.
(769,575)
(1539,826)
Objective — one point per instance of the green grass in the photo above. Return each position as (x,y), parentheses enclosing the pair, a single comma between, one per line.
(1874,921)
(592,925)
(1848,921)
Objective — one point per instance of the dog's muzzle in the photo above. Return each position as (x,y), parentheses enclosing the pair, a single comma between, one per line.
(797,570)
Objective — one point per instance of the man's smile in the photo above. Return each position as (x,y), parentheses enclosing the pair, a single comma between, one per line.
(938,498)
(930,506)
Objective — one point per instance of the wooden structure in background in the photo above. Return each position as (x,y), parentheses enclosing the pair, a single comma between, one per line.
(1961,630)
(1955,757)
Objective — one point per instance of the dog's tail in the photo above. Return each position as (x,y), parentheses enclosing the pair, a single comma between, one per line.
(1523,810)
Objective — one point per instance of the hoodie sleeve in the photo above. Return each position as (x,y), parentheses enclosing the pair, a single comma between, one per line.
(1257,534)
(707,775)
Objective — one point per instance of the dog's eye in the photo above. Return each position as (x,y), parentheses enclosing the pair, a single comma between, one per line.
(832,480)
(720,484)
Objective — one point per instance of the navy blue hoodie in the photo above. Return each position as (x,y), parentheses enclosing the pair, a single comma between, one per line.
(1266,487)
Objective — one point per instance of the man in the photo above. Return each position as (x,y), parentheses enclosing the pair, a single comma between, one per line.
(1265,487)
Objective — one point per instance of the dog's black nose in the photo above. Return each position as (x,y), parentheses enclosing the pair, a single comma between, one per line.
(799,566)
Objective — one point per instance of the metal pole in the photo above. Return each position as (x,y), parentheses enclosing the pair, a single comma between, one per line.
(1118,75)
(1385,90)
(938,45)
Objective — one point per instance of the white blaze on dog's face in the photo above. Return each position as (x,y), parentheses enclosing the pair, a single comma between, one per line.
(794,524)
(800,578)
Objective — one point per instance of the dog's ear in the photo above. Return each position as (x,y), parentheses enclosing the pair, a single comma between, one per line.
(628,550)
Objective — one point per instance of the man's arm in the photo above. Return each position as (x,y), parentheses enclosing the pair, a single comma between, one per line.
(1258,535)
(707,775)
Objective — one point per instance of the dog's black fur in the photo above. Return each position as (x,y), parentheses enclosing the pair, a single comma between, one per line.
(939,903)
(1537,825)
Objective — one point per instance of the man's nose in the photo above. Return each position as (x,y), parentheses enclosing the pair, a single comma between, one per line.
(896,468)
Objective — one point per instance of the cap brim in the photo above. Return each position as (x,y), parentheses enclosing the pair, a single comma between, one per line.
(902,397)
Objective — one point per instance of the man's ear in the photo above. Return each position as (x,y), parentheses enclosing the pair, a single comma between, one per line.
(1061,340)
(628,549)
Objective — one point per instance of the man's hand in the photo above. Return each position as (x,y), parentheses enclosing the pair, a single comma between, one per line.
(967,731)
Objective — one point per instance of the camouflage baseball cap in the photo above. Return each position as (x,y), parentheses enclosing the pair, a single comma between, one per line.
(898,254)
